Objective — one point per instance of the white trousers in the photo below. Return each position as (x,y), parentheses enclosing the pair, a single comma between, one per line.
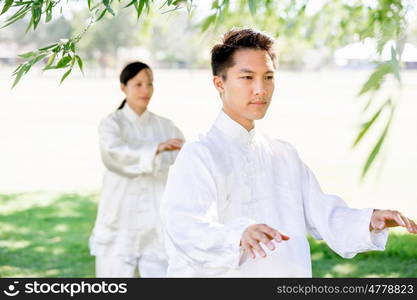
(147,265)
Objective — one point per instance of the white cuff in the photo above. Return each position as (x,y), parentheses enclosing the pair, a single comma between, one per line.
(375,239)
(147,156)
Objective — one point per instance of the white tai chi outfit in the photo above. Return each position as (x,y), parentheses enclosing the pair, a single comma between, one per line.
(127,234)
(231,178)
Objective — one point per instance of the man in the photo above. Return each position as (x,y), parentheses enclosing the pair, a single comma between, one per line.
(238,203)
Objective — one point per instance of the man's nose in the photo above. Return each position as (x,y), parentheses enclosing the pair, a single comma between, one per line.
(259,88)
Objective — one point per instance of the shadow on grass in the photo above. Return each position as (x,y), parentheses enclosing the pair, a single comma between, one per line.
(48,241)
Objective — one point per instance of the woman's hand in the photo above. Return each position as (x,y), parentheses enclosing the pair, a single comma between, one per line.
(170,145)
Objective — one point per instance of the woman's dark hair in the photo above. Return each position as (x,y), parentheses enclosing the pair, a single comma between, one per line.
(130,71)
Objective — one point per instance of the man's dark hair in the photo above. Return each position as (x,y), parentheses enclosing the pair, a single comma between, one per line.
(236,39)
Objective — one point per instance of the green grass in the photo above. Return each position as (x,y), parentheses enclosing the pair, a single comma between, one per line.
(398,260)
(46,235)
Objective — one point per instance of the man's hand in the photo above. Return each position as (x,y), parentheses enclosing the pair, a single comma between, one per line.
(382,219)
(260,233)
(170,145)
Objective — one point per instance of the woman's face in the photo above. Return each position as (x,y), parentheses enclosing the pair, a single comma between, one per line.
(139,90)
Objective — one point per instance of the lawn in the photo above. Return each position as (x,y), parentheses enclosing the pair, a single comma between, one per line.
(45,235)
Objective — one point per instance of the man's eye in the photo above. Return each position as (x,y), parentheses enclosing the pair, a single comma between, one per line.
(269,77)
(246,77)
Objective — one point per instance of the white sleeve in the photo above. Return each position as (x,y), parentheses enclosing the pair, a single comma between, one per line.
(120,157)
(165,159)
(190,214)
(345,229)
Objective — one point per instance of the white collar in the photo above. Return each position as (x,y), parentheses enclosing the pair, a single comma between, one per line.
(233,129)
(135,117)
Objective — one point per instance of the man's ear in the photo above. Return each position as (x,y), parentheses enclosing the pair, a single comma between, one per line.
(218,83)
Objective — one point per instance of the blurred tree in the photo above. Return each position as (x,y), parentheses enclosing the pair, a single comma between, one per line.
(62,28)
(104,39)
(301,26)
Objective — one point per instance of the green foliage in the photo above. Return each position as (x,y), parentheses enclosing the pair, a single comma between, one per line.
(371,86)
(35,9)
(63,54)
(335,23)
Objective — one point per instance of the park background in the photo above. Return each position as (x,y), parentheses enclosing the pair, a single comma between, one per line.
(50,167)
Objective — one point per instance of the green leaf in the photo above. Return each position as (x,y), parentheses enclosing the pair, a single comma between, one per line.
(395,65)
(50,62)
(7,5)
(252,7)
(139,8)
(375,150)
(28,54)
(22,70)
(215,4)
(48,17)
(396,70)
(101,15)
(17,16)
(207,22)
(47,47)
(38,58)
(370,101)
(80,63)
(22,11)
(17,79)
(376,78)
(17,69)
(171,10)
(63,62)
(29,25)
(368,124)
(65,75)
(36,15)
(107,4)
(131,3)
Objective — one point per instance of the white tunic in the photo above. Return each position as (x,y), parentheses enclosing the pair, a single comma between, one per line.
(128,218)
(231,178)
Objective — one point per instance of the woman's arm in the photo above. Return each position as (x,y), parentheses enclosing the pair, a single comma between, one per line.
(122,158)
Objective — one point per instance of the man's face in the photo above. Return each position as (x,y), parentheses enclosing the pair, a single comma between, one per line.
(248,87)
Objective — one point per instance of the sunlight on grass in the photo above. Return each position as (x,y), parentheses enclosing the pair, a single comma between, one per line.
(317,256)
(47,236)
(60,228)
(344,269)
(12,245)
(41,249)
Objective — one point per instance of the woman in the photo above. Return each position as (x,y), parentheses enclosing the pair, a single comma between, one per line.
(137,148)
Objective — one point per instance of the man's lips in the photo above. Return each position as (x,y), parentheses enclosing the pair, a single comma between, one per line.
(258,102)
